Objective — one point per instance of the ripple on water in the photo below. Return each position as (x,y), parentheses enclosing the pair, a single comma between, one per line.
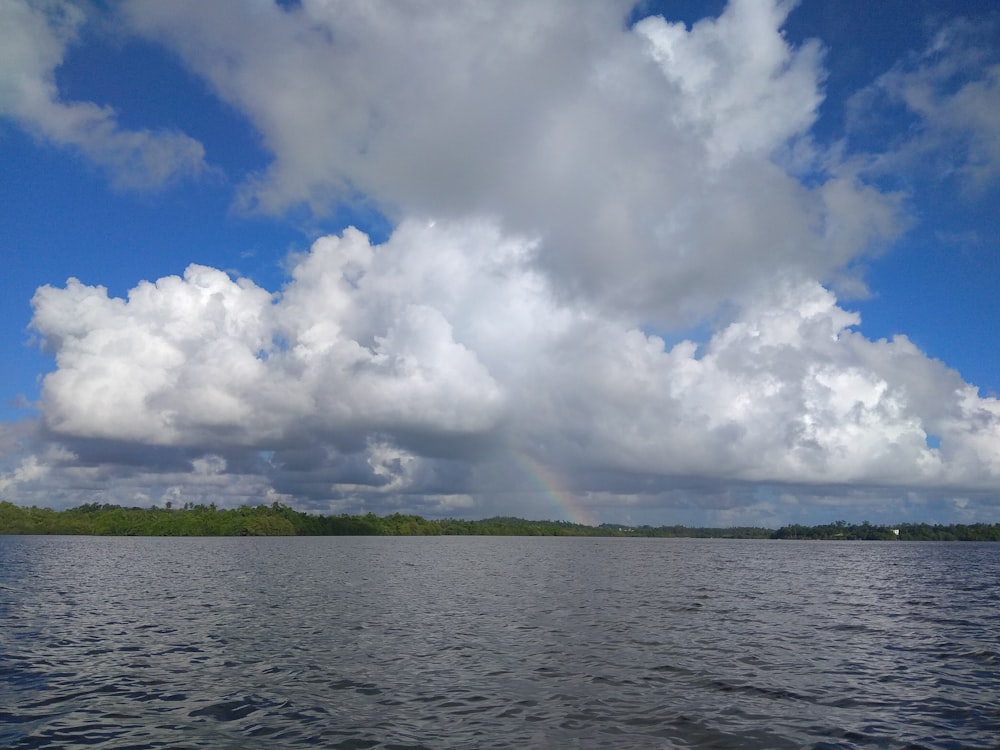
(467,643)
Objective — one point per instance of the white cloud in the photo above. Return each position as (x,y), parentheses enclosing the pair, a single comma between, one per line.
(952,90)
(206,359)
(642,158)
(29,470)
(743,87)
(34,37)
(786,393)
(399,357)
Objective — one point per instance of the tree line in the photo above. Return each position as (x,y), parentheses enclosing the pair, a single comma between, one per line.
(279,520)
(908,532)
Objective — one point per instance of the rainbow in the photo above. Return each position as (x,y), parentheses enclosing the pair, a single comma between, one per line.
(551,486)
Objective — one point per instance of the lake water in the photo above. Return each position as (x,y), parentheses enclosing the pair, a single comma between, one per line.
(464,642)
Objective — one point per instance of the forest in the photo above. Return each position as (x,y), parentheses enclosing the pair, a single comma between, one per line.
(278,520)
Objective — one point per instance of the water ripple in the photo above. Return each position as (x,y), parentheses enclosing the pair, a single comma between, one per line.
(412,644)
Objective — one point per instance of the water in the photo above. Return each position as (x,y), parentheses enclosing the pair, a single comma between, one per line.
(462,642)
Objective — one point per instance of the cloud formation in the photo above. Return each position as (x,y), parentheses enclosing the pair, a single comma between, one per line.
(623,148)
(951,90)
(377,367)
(569,195)
(34,38)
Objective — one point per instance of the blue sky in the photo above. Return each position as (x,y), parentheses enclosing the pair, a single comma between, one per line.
(688,262)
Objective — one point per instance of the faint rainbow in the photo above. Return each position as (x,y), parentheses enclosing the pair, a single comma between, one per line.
(551,485)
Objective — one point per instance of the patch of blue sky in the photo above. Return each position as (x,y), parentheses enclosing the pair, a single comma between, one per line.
(698,334)
(149,88)
(688,12)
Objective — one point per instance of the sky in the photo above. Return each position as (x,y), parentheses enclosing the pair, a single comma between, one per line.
(701,263)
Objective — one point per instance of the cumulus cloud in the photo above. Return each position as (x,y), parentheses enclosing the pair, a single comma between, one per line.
(379,370)
(355,341)
(34,38)
(622,148)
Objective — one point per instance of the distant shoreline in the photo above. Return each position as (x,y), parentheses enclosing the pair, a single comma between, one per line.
(278,520)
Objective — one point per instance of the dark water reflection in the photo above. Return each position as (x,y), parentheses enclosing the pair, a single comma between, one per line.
(463,642)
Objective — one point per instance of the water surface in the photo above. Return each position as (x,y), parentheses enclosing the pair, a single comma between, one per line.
(493,642)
